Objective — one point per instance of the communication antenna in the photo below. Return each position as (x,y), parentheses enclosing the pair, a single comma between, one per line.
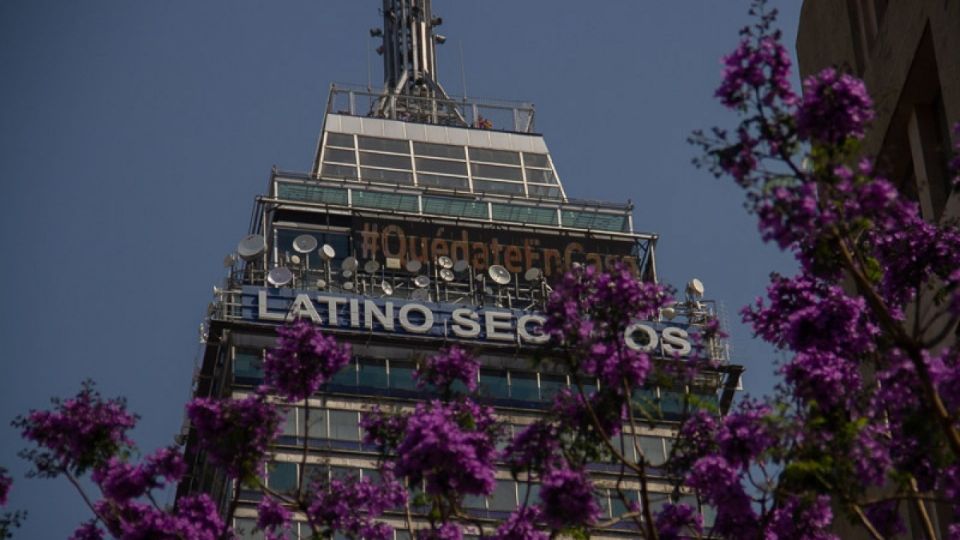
(422,295)
(295,259)
(328,252)
(499,274)
(445,262)
(446,274)
(321,283)
(387,288)
(422,282)
(349,264)
(668,313)
(251,247)
(414,266)
(371,267)
(348,285)
(229,260)
(304,244)
(461,266)
(533,274)
(347,274)
(279,276)
(695,289)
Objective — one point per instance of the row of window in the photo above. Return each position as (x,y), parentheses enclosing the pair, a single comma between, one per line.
(439,165)
(455,207)
(396,377)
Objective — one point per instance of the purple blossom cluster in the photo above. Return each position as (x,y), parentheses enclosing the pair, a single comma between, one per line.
(79,433)
(567,496)
(121,481)
(520,525)
(235,433)
(444,369)
(801,520)
(450,446)
(446,531)
(835,107)
(760,61)
(193,518)
(273,518)
(676,521)
(303,360)
(352,506)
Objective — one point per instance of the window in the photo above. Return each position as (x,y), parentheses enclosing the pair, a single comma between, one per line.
(388,161)
(282,476)
(246,529)
(551,385)
(344,425)
(318,425)
(494,156)
(541,176)
(381,175)
(458,168)
(290,422)
(507,188)
(438,150)
(346,377)
(401,376)
(338,171)
(247,366)
(494,384)
(383,145)
(444,182)
(548,192)
(373,373)
(497,172)
(340,139)
(536,160)
(652,448)
(523,386)
(339,156)
(504,496)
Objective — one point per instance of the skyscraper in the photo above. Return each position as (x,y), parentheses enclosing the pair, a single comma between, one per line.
(427,221)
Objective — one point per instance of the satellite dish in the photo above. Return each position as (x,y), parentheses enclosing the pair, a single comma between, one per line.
(421,281)
(350,263)
(533,274)
(371,267)
(445,262)
(387,288)
(414,266)
(295,259)
(304,243)
(668,313)
(488,291)
(695,288)
(279,276)
(229,260)
(446,274)
(348,285)
(321,283)
(499,274)
(347,274)
(328,252)
(251,247)
(420,294)
(461,266)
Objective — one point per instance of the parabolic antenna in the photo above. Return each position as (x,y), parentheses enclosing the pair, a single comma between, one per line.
(251,247)
(279,276)
(328,252)
(229,260)
(304,243)
(446,274)
(421,295)
(421,281)
(499,274)
(461,266)
(371,267)
(295,259)
(387,288)
(668,313)
(414,266)
(695,288)
(347,274)
(348,285)
(533,274)
(444,262)
(350,263)
(321,283)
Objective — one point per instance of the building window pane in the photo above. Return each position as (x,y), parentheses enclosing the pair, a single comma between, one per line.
(652,448)
(535,160)
(494,384)
(531,498)
(445,182)
(474,501)
(541,176)
(504,497)
(494,156)
(543,191)
(486,186)
(344,473)
(671,403)
(440,166)
(290,422)
(438,150)
(381,175)
(340,139)
(388,161)
(318,424)
(344,425)
(494,171)
(246,529)
(339,156)
(617,505)
(383,145)
(450,206)
(373,374)
(248,365)
(347,376)
(524,386)
(391,201)
(401,377)
(524,214)
(338,171)
(282,476)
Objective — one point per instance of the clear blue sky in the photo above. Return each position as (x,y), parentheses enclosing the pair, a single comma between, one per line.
(135,134)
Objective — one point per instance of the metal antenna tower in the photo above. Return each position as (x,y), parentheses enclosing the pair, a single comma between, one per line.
(411,86)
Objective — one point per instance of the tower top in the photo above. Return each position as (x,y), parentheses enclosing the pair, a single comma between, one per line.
(409,48)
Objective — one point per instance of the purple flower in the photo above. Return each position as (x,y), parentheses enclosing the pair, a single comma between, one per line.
(719,484)
(353,506)
(235,433)
(79,433)
(451,446)
(745,434)
(568,501)
(5,483)
(801,520)
(535,448)
(835,106)
(520,525)
(272,517)
(885,517)
(87,531)
(193,518)
(674,519)
(121,481)
(303,360)
(758,64)
(450,365)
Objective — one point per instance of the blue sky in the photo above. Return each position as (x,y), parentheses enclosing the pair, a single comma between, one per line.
(135,135)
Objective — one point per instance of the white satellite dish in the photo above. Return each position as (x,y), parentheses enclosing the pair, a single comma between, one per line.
(461,266)
(421,281)
(446,274)
(321,283)
(347,274)
(444,262)
(348,285)
(695,288)
(349,264)
(295,259)
(371,267)
(533,274)
(304,244)
(251,247)
(328,252)
(387,288)
(420,294)
(499,274)
(668,313)
(279,276)
(414,266)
